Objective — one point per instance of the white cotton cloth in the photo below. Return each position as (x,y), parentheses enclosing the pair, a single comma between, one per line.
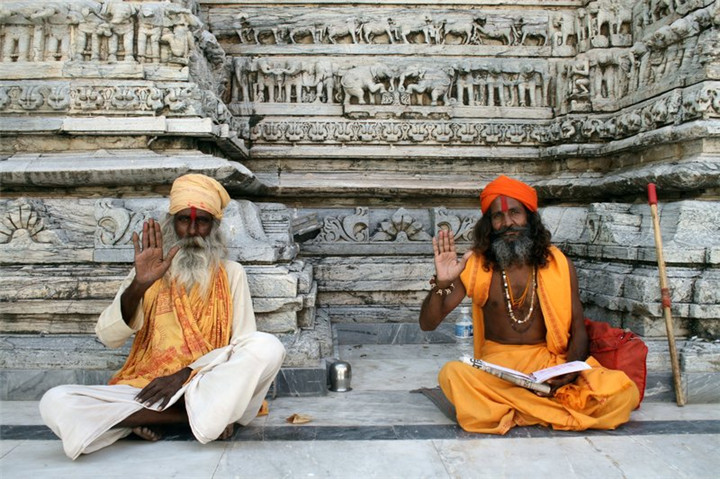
(228,387)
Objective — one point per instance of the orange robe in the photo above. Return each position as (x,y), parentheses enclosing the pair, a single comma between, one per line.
(599,399)
(180,328)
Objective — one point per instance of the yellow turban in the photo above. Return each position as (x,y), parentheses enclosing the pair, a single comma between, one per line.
(200,191)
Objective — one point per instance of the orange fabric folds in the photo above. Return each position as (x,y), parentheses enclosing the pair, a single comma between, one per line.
(553,291)
(600,398)
(178,329)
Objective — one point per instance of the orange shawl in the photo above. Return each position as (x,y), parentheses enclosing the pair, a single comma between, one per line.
(553,291)
(178,329)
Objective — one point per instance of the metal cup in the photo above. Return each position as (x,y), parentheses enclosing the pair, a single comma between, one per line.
(339,375)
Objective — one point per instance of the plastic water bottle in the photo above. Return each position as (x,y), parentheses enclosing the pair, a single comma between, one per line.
(464,331)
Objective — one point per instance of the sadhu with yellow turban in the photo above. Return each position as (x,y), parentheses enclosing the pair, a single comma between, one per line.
(197,357)
(527,316)
(198,191)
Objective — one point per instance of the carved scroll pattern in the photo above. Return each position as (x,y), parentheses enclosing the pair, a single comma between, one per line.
(66,97)
(461,226)
(350,228)
(402,226)
(115,223)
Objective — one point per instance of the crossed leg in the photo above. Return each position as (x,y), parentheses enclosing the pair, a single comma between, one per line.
(147,424)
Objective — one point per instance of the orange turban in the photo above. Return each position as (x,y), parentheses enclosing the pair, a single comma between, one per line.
(504,186)
(200,191)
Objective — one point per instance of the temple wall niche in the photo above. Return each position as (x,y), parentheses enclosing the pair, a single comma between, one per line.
(348,134)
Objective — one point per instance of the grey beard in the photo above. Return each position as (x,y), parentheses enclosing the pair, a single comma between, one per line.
(514,252)
(198,258)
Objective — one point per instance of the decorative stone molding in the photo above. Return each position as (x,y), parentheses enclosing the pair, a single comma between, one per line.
(612,246)
(386,230)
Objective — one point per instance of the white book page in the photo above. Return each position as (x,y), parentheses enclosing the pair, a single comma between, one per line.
(543,375)
(508,370)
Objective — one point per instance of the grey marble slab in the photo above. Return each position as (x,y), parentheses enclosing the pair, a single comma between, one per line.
(358,408)
(333,459)
(301,382)
(7,446)
(147,460)
(579,457)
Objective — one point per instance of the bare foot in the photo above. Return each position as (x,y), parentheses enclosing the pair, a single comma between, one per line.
(227,433)
(146,433)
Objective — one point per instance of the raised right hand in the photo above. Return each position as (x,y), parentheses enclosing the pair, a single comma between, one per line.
(150,263)
(447,265)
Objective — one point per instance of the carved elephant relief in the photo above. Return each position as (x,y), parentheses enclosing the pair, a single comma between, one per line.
(436,82)
(357,80)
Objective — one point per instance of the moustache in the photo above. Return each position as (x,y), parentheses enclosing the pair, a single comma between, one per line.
(520,230)
(196,242)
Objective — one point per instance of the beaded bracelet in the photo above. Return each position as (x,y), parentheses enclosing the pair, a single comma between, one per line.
(441,291)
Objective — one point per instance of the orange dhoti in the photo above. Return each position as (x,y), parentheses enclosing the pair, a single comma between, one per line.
(599,399)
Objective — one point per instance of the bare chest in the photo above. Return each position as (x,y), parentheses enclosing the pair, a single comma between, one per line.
(519,323)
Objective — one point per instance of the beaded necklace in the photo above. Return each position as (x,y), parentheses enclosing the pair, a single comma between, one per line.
(515,323)
(517,303)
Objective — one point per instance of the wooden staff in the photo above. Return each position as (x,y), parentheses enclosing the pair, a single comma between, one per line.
(665,294)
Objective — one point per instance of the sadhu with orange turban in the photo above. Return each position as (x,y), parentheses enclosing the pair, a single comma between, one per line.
(527,316)
(504,186)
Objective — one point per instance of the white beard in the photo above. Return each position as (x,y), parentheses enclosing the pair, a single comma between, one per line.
(198,258)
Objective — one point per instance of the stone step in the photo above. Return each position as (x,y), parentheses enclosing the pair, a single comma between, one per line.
(31,364)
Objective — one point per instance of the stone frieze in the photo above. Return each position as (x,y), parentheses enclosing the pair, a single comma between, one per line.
(702,101)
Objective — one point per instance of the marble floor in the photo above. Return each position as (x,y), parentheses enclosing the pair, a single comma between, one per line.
(380,429)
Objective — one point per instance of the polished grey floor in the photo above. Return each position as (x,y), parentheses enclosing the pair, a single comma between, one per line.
(380,429)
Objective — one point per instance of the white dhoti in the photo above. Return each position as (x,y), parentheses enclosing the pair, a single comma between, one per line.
(229,389)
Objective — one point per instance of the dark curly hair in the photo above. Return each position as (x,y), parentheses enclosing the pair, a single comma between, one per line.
(482,239)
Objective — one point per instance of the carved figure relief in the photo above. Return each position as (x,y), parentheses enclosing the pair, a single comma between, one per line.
(89,30)
(435,82)
(608,68)
(489,83)
(393,26)
(358,81)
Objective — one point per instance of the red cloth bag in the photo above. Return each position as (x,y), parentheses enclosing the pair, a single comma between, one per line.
(621,349)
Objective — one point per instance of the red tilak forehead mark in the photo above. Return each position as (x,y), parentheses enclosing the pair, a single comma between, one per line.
(503,203)
(193,213)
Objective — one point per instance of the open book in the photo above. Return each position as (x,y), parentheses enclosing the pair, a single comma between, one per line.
(535,380)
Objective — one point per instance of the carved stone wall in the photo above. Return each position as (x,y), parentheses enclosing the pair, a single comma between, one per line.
(349,133)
